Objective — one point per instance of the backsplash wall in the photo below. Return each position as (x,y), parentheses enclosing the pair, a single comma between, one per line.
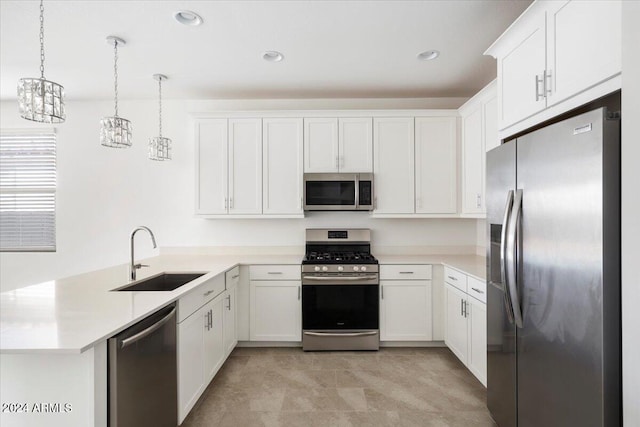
(104,193)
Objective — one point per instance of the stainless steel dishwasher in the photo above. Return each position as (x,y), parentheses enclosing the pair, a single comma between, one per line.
(143,381)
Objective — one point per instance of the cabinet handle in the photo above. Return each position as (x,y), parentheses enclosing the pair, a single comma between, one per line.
(538,81)
(230,202)
(461,307)
(341,161)
(274,272)
(206,294)
(452,278)
(466,308)
(211,318)
(299,292)
(478,200)
(381,292)
(235,276)
(406,272)
(229,302)
(478,290)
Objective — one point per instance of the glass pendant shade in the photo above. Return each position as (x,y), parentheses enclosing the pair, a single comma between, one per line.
(115,131)
(159,146)
(41,100)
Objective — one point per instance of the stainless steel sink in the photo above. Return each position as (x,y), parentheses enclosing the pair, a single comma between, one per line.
(162,282)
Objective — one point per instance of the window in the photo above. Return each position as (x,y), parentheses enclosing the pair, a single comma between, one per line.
(27,191)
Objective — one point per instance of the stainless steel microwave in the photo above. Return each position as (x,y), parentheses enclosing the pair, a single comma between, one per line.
(338,191)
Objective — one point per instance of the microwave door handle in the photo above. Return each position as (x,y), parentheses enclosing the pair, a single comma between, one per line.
(357,191)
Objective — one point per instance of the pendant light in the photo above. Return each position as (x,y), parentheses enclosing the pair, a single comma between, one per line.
(39,99)
(159,146)
(115,131)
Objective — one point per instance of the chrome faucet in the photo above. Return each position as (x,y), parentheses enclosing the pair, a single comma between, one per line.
(133,267)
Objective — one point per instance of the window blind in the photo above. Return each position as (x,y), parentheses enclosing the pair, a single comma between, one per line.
(27,191)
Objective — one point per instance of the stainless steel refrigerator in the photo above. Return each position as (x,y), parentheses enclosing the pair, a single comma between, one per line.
(553,264)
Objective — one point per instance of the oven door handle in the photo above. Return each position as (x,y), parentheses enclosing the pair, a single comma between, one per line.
(345,334)
(340,278)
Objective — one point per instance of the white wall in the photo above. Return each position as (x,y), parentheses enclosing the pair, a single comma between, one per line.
(630,212)
(104,193)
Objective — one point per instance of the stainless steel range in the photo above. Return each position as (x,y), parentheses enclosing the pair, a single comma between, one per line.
(340,288)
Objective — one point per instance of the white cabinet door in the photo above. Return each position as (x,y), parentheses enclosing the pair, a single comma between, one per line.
(282,166)
(477,361)
(473,153)
(190,361)
(584,46)
(230,320)
(355,137)
(245,166)
(211,166)
(321,145)
(393,166)
(518,69)
(405,310)
(436,165)
(491,139)
(213,338)
(455,334)
(276,310)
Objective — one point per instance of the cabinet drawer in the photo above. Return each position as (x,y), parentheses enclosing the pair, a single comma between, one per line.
(232,277)
(455,278)
(477,289)
(405,272)
(200,296)
(275,272)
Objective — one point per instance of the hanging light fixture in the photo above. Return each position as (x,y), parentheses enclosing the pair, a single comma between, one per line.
(41,100)
(159,146)
(115,131)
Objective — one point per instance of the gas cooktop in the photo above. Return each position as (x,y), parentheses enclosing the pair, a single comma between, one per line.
(339,258)
(338,246)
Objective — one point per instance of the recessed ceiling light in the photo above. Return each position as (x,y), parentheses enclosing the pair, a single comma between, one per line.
(428,55)
(188,17)
(272,56)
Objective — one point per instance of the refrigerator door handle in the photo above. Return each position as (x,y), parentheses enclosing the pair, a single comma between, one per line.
(513,236)
(503,262)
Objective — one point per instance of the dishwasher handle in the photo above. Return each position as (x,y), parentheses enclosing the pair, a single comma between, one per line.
(151,329)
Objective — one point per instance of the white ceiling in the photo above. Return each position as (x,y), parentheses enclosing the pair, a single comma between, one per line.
(332,49)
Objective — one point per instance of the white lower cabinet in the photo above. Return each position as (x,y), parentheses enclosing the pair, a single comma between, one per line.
(200,353)
(466,322)
(405,303)
(275,298)
(206,337)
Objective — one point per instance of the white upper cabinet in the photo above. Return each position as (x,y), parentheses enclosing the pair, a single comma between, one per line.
(211,166)
(490,119)
(245,166)
(393,167)
(521,72)
(355,138)
(321,145)
(472,162)
(553,52)
(436,165)
(584,46)
(282,166)
(338,145)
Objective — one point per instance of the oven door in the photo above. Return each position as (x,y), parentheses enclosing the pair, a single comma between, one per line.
(340,307)
(330,192)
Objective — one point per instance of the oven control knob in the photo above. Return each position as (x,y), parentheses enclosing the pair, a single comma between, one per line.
(340,268)
(325,268)
(363,268)
(355,268)
(316,268)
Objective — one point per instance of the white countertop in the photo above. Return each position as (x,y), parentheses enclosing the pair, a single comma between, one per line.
(70,315)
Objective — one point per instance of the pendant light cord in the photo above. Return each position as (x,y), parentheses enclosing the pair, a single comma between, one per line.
(160,103)
(42,39)
(115,73)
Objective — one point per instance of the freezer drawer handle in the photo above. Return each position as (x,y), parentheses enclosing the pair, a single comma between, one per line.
(151,329)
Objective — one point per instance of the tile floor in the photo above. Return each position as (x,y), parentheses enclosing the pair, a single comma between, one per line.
(392,387)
